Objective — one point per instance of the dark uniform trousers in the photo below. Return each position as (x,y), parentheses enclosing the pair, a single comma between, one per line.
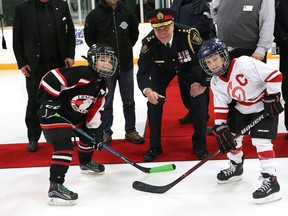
(198,108)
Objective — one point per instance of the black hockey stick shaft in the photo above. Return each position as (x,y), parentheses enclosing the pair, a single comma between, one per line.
(164,168)
(141,186)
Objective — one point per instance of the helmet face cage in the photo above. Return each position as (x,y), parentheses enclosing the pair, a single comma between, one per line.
(210,48)
(98,52)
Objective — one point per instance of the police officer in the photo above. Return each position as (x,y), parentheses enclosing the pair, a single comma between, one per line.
(168,50)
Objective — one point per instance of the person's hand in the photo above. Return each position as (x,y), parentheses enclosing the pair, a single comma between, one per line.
(26,70)
(272,104)
(257,56)
(153,97)
(48,109)
(99,146)
(196,89)
(69,62)
(224,138)
(97,135)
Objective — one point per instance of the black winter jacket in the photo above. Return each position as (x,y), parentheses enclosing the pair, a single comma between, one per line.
(117,28)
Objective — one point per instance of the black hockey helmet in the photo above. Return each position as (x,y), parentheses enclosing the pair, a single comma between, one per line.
(98,51)
(212,47)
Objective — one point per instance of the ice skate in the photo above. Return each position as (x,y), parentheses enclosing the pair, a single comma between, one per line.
(92,168)
(59,195)
(269,190)
(231,174)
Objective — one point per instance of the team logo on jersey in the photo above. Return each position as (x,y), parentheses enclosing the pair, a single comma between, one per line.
(123,25)
(82,103)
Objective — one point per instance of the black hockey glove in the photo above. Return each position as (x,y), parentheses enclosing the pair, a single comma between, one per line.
(48,109)
(272,104)
(224,138)
(97,135)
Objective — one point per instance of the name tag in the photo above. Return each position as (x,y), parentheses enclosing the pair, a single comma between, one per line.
(247,7)
(159,61)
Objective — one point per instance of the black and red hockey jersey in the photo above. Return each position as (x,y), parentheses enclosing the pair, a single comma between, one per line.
(81,93)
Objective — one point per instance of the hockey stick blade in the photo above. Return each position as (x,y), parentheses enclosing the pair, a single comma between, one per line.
(164,168)
(141,186)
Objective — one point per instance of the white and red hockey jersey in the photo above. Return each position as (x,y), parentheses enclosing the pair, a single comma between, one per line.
(247,81)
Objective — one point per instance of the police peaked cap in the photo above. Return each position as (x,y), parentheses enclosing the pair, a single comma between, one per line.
(160,17)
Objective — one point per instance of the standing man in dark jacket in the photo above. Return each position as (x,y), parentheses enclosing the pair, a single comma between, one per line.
(281,39)
(43,39)
(114,24)
(195,14)
(170,49)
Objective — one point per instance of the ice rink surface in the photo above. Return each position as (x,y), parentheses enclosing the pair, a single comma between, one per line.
(23,191)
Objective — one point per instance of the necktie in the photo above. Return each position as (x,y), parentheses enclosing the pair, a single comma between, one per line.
(47,13)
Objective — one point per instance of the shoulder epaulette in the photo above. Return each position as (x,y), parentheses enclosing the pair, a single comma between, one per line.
(150,38)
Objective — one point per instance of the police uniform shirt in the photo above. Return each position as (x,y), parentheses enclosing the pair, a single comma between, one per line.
(170,61)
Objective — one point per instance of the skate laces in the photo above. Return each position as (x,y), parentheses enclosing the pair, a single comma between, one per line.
(93,164)
(229,171)
(266,184)
(63,189)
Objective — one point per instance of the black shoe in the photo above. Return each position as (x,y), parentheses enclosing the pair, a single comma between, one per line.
(201,154)
(152,154)
(186,119)
(32,146)
(286,137)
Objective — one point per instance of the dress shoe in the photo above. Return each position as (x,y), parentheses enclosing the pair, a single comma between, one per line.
(201,154)
(186,119)
(32,146)
(152,154)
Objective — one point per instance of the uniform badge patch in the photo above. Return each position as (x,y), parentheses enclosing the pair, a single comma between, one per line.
(144,48)
(196,38)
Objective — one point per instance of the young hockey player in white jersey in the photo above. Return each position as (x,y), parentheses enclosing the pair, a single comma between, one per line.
(256,87)
(77,94)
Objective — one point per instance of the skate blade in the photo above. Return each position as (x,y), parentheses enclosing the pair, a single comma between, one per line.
(271,198)
(231,180)
(90,172)
(60,202)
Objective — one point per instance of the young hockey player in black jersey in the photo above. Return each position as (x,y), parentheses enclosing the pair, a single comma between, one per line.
(78,94)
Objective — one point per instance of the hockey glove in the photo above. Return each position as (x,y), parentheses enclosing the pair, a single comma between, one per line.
(272,104)
(224,138)
(48,109)
(97,135)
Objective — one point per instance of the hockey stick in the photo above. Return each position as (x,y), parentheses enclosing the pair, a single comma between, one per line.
(164,168)
(141,186)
